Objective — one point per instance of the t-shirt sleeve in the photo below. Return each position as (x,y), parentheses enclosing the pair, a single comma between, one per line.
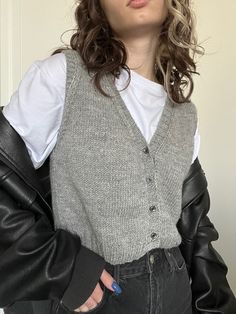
(196,143)
(35,109)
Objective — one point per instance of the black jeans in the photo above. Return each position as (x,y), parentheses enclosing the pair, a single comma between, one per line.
(156,283)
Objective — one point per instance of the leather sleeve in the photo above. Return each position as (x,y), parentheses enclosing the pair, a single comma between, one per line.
(36,261)
(211,292)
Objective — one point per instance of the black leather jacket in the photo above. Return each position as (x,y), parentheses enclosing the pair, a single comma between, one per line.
(38,262)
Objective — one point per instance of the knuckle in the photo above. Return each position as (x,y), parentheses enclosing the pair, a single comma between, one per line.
(90,303)
(100,297)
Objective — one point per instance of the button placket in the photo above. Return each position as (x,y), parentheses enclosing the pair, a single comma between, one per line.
(149,180)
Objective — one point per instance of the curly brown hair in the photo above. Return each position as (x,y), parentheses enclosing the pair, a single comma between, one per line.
(103,53)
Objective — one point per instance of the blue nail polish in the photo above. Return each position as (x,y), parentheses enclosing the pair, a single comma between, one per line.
(116,287)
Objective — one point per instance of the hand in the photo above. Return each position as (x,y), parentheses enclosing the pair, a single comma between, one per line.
(97,294)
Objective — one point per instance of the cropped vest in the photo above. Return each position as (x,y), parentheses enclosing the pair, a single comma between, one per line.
(120,194)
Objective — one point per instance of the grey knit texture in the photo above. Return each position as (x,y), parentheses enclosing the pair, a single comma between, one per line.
(121,200)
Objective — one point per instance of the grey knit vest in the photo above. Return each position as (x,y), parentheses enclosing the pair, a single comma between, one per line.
(121,195)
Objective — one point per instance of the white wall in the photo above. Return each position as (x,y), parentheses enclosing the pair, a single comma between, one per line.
(214,96)
(31,30)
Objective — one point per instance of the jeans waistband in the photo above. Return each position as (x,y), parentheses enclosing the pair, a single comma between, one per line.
(143,264)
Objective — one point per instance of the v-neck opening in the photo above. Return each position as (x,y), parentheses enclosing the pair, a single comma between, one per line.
(162,128)
(140,80)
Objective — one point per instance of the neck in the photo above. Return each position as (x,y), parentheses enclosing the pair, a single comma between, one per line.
(141,54)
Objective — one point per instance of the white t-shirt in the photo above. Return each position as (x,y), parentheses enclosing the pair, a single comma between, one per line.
(36,107)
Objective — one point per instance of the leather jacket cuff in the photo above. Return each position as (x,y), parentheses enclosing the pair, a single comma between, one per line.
(86,274)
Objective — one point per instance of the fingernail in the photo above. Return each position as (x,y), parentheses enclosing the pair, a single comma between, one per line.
(116,287)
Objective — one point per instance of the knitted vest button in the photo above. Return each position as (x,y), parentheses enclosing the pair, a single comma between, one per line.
(148,179)
(146,150)
(153,235)
(152,208)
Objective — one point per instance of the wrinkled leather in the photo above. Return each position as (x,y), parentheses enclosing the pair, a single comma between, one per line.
(211,292)
(37,262)
(31,194)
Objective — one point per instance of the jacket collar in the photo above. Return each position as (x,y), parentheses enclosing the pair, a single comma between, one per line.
(14,153)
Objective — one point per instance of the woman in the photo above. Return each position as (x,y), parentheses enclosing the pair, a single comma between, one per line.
(117,165)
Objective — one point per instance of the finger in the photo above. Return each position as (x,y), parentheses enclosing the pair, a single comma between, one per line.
(107,279)
(97,293)
(83,308)
(93,300)
(91,303)
(110,282)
